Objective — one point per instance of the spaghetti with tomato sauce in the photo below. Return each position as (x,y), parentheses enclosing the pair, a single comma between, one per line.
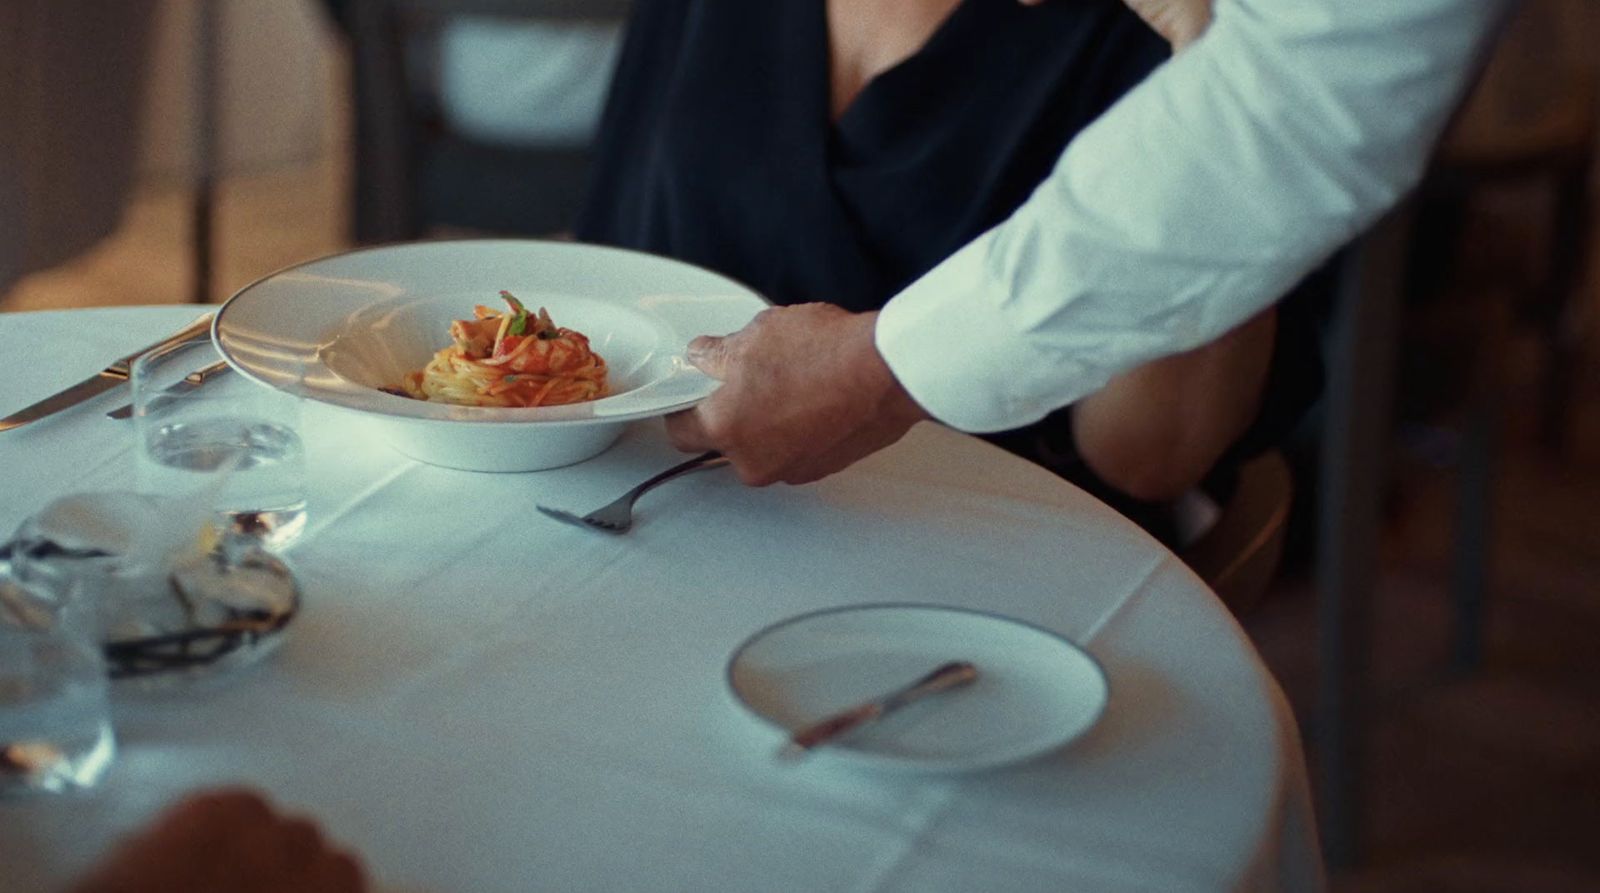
(512,358)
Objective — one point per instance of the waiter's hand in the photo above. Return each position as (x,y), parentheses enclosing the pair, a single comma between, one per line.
(229,840)
(1179,21)
(805,393)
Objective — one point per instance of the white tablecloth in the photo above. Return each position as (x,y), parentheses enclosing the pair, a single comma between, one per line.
(469,726)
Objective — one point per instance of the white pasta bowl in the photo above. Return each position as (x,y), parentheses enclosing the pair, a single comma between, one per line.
(336,330)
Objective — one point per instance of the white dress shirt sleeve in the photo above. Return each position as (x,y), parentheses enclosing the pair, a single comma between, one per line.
(1192,204)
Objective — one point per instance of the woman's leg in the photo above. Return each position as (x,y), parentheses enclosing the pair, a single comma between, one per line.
(1155,431)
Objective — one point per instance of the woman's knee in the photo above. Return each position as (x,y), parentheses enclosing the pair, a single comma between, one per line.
(1157,466)
(1156,431)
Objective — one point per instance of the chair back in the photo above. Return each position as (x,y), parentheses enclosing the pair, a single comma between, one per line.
(412,173)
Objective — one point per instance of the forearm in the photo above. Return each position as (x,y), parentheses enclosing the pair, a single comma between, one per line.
(1195,202)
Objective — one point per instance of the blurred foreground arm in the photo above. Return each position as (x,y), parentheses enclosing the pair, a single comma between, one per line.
(225,840)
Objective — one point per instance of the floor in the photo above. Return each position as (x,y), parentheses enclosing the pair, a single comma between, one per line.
(1481,782)
(1487,781)
(262,222)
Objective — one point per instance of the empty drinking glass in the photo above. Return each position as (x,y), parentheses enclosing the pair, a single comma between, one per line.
(201,428)
(55,727)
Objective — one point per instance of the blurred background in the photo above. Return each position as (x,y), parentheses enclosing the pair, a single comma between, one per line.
(170,151)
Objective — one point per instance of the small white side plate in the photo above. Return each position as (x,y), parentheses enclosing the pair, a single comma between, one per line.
(1036,691)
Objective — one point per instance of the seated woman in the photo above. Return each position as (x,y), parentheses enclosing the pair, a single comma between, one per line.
(838,149)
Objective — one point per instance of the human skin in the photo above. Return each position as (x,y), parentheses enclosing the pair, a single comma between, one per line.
(1179,21)
(804,393)
(226,839)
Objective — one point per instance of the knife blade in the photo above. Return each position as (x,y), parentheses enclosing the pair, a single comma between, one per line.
(177,389)
(102,381)
(943,678)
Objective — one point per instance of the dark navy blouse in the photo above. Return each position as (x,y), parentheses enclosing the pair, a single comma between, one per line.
(718,147)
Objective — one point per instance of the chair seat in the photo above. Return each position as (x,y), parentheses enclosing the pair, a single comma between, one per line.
(1239,554)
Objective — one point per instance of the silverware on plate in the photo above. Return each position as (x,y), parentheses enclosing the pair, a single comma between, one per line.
(942,678)
(102,381)
(617,515)
(177,389)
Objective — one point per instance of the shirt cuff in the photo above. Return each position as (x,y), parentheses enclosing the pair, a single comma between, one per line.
(949,344)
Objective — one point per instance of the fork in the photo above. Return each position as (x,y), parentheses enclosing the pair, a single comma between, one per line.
(617,516)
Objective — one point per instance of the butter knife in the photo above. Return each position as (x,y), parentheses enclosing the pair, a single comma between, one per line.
(943,678)
(102,381)
(183,386)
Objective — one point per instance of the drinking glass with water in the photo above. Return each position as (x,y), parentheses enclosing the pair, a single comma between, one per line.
(55,726)
(224,434)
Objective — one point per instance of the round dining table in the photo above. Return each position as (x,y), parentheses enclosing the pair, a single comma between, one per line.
(477,698)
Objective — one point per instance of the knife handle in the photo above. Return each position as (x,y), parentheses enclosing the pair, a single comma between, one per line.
(191,332)
(944,677)
(200,376)
(188,383)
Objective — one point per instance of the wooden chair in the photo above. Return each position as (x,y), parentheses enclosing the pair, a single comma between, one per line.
(1239,554)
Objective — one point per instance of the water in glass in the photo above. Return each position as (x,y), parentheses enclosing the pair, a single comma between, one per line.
(55,728)
(263,460)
